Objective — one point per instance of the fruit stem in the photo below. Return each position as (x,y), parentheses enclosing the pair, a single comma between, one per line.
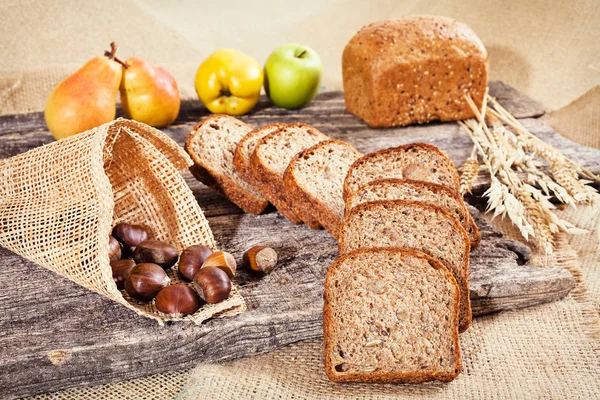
(111,55)
(301,54)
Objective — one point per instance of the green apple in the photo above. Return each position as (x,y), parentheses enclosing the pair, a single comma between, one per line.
(292,75)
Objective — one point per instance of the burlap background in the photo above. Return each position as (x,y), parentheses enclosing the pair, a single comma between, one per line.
(547,49)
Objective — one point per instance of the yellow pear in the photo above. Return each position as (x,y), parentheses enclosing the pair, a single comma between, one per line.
(85,99)
(149,94)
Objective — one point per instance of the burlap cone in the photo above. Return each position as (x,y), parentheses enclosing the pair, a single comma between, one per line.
(59,202)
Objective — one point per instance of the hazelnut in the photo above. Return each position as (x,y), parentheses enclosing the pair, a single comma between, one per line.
(120,271)
(191,260)
(156,252)
(145,281)
(130,236)
(114,249)
(178,300)
(261,259)
(222,260)
(212,284)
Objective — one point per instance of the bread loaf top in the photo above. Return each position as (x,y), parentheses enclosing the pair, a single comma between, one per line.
(409,39)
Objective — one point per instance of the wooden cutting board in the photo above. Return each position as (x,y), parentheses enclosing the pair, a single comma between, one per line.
(57,335)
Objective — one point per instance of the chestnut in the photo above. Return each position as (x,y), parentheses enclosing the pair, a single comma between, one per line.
(114,249)
(156,252)
(121,269)
(192,259)
(178,300)
(222,260)
(260,259)
(212,284)
(145,281)
(130,236)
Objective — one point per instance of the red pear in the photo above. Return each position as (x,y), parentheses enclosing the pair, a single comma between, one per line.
(149,94)
(85,99)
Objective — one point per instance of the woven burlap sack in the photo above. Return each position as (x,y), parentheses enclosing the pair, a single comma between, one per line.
(59,202)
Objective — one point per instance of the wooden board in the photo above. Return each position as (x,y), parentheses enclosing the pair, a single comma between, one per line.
(56,335)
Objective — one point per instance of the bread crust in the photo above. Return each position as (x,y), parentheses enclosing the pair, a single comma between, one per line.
(241,162)
(270,183)
(205,174)
(424,67)
(389,377)
(305,204)
(465,301)
(471,227)
(403,148)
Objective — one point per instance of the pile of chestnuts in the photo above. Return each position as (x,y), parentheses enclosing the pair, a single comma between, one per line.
(140,264)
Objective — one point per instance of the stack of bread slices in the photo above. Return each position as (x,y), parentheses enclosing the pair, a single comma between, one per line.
(295,167)
(398,295)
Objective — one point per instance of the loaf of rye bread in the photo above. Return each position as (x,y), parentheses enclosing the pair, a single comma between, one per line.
(407,189)
(270,158)
(415,225)
(390,315)
(414,69)
(211,145)
(314,180)
(416,161)
(245,148)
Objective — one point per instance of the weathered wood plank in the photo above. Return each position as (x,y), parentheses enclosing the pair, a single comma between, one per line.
(56,334)
(52,328)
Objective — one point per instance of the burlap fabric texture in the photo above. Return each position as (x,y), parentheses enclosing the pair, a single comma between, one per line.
(59,202)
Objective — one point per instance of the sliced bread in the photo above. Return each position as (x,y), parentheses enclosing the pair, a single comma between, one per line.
(314,180)
(211,145)
(245,148)
(271,157)
(415,225)
(417,161)
(408,189)
(403,328)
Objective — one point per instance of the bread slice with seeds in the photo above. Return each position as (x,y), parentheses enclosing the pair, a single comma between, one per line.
(408,189)
(271,157)
(211,145)
(415,225)
(417,161)
(314,180)
(245,148)
(403,329)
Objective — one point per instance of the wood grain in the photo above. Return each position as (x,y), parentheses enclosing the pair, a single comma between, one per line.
(57,335)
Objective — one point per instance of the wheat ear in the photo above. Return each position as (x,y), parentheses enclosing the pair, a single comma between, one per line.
(468,172)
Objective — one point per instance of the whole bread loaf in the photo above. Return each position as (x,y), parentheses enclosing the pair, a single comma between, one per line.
(407,189)
(414,69)
(390,315)
(415,225)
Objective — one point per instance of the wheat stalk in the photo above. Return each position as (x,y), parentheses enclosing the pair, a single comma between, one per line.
(535,213)
(507,147)
(468,172)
